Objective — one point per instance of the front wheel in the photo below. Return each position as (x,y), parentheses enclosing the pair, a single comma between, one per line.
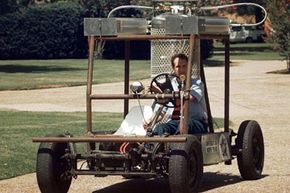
(251,143)
(52,169)
(185,166)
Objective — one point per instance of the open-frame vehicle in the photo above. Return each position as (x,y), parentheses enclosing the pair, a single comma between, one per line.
(179,158)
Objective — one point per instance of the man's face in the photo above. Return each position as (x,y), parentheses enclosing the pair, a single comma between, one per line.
(180,66)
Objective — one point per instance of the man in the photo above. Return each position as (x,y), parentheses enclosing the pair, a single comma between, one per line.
(197,121)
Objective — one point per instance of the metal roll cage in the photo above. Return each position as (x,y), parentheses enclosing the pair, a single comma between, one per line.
(92,136)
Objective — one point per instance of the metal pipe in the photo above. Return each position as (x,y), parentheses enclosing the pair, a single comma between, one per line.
(105,155)
(181,123)
(187,85)
(133,96)
(207,102)
(227,85)
(239,4)
(126,78)
(212,36)
(90,172)
(109,138)
(142,37)
(159,37)
(89,82)
(128,6)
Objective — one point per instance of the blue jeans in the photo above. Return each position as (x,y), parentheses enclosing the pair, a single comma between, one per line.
(172,127)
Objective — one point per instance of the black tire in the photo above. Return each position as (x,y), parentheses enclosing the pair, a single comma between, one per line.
(51,169)
(185,166)
(251,158)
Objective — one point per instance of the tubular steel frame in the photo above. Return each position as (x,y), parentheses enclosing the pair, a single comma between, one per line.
(126,96)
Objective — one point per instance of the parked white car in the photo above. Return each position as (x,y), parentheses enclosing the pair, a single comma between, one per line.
(246,34)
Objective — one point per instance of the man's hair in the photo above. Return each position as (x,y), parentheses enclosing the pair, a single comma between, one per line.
(180,56)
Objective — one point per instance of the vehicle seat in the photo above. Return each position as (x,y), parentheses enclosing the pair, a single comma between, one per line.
(133,122)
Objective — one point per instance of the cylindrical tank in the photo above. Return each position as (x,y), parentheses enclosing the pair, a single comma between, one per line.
(129,26)
(214,25)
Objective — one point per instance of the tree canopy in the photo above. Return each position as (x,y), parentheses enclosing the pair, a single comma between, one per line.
(279,13)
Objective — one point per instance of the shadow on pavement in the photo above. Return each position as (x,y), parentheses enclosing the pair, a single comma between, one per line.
(16,68)
(211,180)
(159,185)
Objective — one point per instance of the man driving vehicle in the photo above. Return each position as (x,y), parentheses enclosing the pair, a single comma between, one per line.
(197,121)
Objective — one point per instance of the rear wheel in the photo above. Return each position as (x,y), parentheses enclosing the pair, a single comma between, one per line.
(185,166)
(251,158)
(52,170)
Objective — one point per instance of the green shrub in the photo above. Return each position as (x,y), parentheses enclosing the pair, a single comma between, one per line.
(8,6)
(49,31)
(55,30)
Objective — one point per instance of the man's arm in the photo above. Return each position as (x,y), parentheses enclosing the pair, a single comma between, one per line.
(156,117)
(196,90)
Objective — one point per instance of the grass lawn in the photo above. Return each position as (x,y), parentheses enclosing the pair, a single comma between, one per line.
(35,74)
(246,51)
(18,153)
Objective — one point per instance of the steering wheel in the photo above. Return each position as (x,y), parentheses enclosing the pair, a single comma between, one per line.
(162,83)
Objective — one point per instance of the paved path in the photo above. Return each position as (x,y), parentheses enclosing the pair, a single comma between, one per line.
(255,94)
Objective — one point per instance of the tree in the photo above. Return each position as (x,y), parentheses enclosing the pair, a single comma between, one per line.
(101,8)
(43,32)
(279,13)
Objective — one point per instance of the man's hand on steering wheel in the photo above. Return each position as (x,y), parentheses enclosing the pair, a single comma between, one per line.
(163,83)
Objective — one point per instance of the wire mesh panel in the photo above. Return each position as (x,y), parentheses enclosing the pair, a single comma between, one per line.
(162,50)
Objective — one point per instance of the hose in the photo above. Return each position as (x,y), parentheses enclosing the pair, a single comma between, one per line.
(128,6)
(239,4)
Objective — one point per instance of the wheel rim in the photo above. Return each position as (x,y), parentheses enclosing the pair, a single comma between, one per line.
(192,169)
(62,167)
(257,149)
(63,173)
